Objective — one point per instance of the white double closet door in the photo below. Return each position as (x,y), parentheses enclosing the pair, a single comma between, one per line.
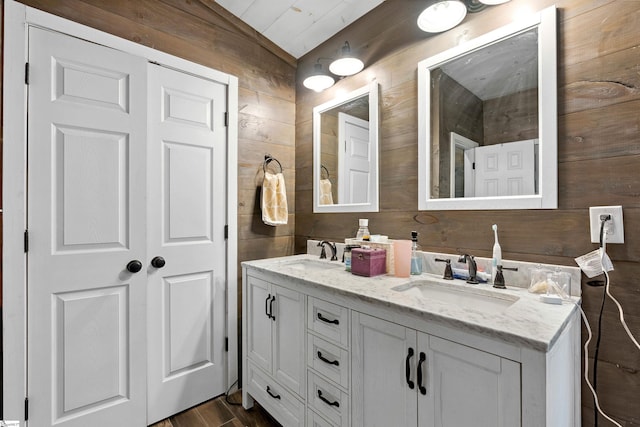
(126,169)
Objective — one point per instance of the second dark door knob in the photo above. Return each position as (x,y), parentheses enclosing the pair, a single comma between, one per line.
(158,262)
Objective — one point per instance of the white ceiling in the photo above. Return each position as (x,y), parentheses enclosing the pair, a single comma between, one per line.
(298,26)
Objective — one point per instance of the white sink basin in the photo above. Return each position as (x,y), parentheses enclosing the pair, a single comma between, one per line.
(462,296)
(311,264)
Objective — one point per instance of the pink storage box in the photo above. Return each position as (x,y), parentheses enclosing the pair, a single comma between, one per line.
(368,262)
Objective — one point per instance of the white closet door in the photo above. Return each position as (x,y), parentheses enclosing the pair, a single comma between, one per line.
(505,169)
(86,219)
(354,158)
(186,190)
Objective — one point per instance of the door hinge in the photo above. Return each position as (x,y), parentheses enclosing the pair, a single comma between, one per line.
(226,119)
(26,73)
(26,409)
(473,166)
(26,241)
(226,232)
(226,344)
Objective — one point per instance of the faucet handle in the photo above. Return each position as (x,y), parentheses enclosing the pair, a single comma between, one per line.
(498,282)
(323,252)
(448,273)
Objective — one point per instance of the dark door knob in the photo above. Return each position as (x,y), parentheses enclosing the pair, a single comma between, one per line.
(134,266)
(158,262)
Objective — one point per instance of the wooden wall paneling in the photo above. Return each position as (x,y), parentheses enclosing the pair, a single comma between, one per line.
(600,132)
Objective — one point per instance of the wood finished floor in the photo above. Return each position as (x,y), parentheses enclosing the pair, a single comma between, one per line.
(219,413)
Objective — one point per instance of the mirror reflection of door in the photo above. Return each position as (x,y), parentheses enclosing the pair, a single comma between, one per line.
(462,181)
(354,159)
(505,169)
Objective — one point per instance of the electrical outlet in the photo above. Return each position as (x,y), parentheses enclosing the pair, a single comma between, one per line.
(614,227)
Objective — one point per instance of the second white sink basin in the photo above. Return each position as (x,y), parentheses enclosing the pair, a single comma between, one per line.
(311,264)
(462,296)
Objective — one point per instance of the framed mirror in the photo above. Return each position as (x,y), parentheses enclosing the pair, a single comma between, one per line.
(487,120)
(345,152)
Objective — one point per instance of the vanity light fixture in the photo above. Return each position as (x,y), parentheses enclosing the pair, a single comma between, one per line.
(318,81)
(442,16)
(346,64)
(492,2)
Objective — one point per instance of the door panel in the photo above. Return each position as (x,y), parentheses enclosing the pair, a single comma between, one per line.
(259,341)
(93,216)
(354,159)
(289,364)
(505,169)
(86,219)
(457,376)
(94,353)
(381,395)
(186,218)
(189,213)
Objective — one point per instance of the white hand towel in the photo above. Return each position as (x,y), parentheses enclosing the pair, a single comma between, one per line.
(326,198)
(274,199)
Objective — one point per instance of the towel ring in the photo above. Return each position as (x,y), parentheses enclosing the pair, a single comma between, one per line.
(323,167)
(268,159)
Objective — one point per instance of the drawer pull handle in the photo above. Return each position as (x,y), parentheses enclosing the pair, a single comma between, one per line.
(273,317)
(325,360)
(407,369)
(422,388)
(327,401)
(266,306)
(275,396)
(324,319)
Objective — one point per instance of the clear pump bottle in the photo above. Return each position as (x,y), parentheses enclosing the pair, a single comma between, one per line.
(416,257)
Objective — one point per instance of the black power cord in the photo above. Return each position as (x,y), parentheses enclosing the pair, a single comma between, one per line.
(226,395)
(603,220)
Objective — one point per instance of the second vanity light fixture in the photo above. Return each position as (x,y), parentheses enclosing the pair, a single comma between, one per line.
(443,15)
(345,65)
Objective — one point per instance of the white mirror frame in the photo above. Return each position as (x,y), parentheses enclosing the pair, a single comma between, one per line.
(373,205)
(547,198)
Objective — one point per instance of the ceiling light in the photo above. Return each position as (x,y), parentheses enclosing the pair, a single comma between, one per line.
(347,64)
(318,81)
(442,16)
(492,2)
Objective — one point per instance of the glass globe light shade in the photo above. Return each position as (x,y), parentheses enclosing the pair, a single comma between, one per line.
(442,16)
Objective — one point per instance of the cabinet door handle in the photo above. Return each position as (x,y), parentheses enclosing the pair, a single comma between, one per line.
(266,306)
(422,388)
(327,401)
(273,317)
(407,369)
(275,396)
(325,320)
(325,360)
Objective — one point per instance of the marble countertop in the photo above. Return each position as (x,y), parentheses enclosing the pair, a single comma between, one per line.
(526,322)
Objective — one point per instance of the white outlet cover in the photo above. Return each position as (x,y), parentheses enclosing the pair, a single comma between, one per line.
(613,228)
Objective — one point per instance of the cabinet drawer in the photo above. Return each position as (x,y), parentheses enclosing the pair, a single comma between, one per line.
(280,403)
(328,400)
(328,359)
(315,420)
(329,320)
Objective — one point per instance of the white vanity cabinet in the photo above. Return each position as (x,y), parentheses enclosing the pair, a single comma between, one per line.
(274,336)
(324,348)
(409,378)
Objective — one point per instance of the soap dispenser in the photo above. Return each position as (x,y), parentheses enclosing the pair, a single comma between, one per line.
(416,257)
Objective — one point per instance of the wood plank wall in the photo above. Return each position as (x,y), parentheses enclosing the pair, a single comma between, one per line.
(200,31)
(599,155)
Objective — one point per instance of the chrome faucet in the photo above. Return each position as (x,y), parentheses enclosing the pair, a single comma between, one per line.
(473,268)
(332,246)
